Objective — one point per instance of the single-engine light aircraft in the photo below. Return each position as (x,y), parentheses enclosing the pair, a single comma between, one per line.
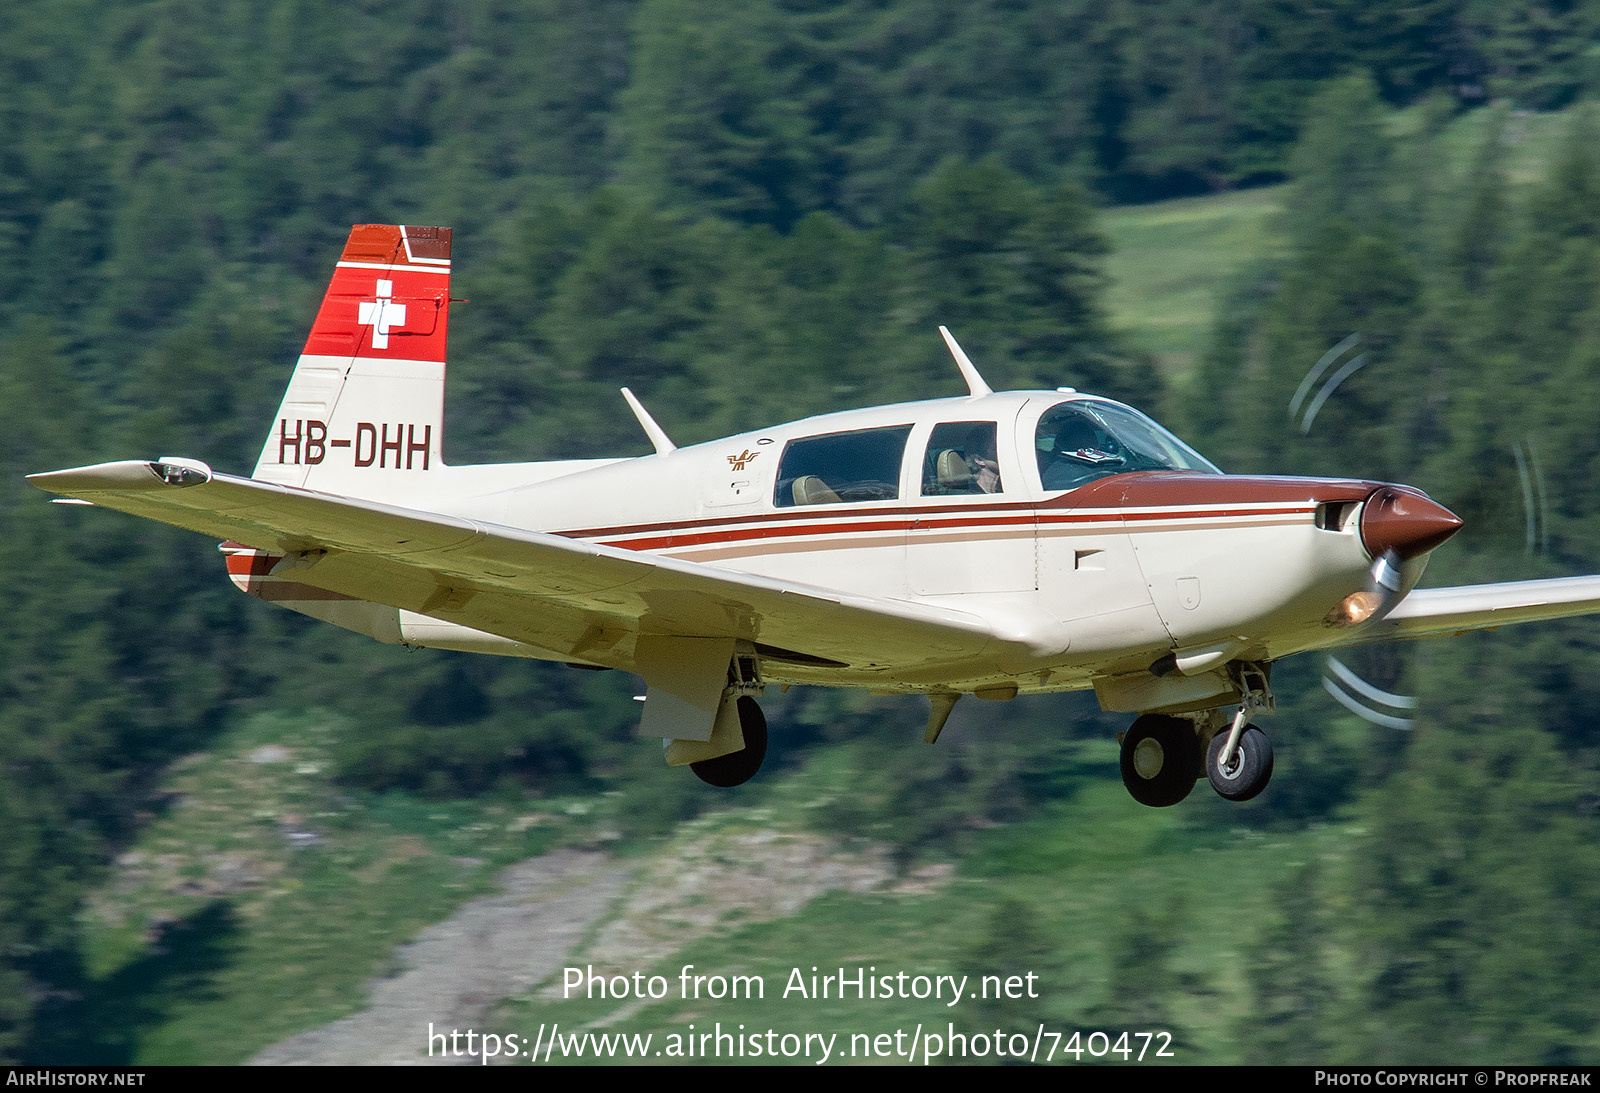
(992,545)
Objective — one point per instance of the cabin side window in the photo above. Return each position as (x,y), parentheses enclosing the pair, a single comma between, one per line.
(961,459)
(841,467)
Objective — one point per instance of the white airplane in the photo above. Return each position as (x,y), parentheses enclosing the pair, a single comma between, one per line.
(994,544)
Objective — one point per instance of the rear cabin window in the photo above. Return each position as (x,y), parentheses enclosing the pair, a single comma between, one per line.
(842,467)
(961,460)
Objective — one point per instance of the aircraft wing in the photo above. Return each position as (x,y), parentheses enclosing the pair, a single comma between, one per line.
(1429,611)
(576,599)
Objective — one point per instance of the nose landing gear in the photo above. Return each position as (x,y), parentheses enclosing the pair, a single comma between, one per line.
(1162,754)
(1248,772)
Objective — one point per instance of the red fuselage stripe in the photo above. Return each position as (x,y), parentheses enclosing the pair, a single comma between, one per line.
(682,535)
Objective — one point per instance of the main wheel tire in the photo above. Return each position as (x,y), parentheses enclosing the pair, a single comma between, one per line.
(1251,769)
(738,767)
(1160,760)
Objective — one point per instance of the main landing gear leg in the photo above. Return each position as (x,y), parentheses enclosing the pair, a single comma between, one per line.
(738,767)
(735,768)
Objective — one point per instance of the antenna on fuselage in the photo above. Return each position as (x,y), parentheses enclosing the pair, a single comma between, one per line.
(975,382)
(657,435)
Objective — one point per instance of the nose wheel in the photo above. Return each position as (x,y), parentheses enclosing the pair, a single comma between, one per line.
(1160,759)
(1249,770)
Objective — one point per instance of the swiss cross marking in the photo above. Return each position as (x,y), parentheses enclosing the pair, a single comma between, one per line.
(382,314)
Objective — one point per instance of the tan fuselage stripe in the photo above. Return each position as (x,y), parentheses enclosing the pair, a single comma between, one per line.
(741,540)
(758,548)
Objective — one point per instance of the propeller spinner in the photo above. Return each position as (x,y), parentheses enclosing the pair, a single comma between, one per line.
(1397,524)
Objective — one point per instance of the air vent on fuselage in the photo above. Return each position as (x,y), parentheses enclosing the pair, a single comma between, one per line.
(1331,515)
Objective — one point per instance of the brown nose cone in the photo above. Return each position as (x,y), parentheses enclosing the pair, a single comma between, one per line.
(1404,520)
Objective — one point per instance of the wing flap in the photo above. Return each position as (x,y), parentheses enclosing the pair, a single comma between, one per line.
(544,589)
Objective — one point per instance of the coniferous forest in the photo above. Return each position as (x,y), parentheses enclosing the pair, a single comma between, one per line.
(753,211)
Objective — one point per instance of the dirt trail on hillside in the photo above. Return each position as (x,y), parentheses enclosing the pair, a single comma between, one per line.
(578,906)
(454,971)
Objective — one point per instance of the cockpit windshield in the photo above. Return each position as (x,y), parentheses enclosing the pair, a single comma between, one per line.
(1082,440)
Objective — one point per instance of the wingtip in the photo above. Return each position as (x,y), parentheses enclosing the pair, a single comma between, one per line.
(123,475)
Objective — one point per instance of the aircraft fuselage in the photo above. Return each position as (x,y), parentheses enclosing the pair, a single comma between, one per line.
(1099,580)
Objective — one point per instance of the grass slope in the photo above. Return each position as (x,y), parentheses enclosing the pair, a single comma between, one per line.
(1171,260)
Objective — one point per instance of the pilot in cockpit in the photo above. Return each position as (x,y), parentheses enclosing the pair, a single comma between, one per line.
(1080,441)
(1081,450)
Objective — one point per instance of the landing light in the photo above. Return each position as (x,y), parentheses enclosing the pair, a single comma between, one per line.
(1355,608)
(177,471)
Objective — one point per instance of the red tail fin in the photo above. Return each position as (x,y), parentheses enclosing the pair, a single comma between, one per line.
(390,296)
(364,412)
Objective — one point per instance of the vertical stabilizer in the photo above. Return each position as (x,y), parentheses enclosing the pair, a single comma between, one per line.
(364,413)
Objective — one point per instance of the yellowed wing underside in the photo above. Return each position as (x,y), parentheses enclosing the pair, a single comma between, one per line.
(1427,612)
(578,600)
